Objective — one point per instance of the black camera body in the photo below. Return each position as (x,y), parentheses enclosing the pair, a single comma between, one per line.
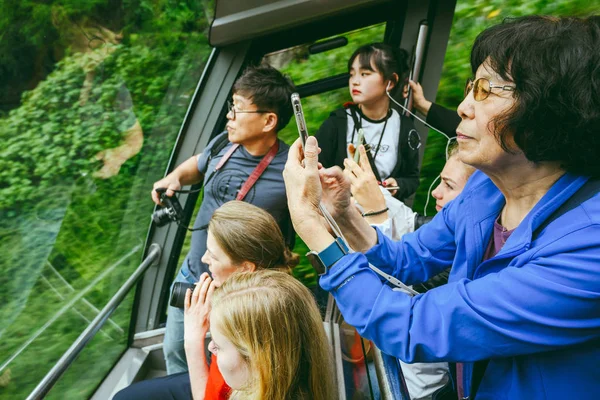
(172,210)
(178,293)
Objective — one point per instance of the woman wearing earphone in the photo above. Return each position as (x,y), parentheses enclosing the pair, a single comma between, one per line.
(376,70)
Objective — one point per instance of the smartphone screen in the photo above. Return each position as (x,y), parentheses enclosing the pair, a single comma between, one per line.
(299,114)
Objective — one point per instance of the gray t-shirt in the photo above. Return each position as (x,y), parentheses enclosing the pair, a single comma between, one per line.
(267,193)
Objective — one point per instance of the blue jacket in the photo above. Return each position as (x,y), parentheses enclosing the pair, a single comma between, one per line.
(533,309)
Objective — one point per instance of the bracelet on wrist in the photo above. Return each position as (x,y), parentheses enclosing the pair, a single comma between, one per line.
(374,213)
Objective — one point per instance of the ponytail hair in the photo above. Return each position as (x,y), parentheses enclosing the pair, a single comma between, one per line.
(248,233)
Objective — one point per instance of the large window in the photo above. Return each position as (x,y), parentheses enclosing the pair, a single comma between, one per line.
(303,68)
(92,97)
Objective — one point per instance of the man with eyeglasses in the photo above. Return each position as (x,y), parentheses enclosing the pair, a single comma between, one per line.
(244,163)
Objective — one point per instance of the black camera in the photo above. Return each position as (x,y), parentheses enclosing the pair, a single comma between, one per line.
(171,211)
(178,293)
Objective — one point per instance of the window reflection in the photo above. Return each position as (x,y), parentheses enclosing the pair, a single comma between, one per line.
(304,67)
(85,132)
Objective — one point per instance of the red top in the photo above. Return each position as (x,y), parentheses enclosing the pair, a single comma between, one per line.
(216,388)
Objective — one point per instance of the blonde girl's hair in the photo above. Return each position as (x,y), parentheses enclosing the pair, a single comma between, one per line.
(273,321)
(248,233)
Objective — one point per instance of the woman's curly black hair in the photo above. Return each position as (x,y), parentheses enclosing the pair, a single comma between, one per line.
(555,65)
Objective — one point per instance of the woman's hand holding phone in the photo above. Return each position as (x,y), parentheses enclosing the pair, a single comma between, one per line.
(363,183)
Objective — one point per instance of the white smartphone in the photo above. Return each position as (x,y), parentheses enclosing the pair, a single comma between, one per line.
(299,114)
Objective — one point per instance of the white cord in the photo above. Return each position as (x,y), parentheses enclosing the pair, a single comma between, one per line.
(399,284)
(338,233)
(334,226)
(411,113)
(435,129)
(436,179)
(429,194)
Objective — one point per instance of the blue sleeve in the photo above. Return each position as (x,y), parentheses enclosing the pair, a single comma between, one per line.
(548,302)
(420,255)
(204,157)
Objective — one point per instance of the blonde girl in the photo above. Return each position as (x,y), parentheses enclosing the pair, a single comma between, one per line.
(269,339)
(241,237)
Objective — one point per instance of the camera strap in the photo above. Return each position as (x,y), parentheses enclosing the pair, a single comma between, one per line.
(256,173)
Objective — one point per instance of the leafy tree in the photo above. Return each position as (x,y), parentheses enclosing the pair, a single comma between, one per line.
(79,73)
(34,36)
(54,211)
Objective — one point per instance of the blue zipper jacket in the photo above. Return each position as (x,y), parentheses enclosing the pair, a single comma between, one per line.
(533,310)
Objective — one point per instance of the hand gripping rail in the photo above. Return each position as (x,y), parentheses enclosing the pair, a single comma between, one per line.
(71,354)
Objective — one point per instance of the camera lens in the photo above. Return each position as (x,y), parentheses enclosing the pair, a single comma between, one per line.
(178,293)
(161,217)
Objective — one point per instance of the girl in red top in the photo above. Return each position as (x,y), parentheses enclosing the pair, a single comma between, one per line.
(241,238)
(269,339)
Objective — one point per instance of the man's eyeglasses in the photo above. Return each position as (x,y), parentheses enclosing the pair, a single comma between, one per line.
(482,88)
(232,110)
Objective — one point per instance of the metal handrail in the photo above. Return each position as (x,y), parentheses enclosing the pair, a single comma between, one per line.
(79,344)
(68,306)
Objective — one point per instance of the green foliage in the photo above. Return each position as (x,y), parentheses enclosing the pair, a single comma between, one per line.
(52,137)
(33,34)
(56,133)
(56,217)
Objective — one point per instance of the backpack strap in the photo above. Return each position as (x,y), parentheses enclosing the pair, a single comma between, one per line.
(218,146)
(584,193)
(353,114)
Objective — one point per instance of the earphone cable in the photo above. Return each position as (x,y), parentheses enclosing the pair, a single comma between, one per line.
(414,115)
(435,129)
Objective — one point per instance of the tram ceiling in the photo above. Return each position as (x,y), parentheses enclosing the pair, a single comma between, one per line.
(241,20)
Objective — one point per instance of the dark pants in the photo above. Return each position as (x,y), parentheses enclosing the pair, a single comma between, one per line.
(171,387)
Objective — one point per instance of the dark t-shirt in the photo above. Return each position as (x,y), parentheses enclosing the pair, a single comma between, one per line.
(267,193)
(443,119)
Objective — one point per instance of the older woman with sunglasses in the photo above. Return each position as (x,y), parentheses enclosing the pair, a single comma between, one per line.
(520,316)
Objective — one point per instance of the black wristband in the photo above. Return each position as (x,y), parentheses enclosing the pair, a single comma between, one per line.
(374,213)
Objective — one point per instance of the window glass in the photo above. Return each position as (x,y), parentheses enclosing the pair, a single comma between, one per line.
(360,377)
(92,95)
(303,67)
